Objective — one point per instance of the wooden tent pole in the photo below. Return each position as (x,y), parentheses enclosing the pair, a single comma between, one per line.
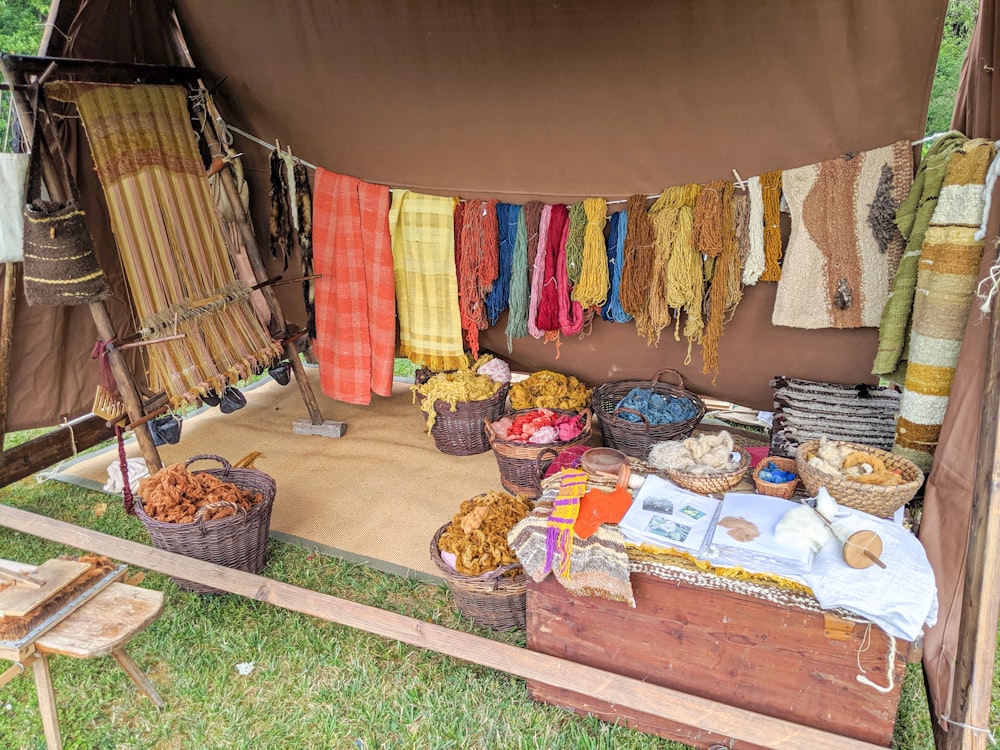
(250,242)
(99,311)
(976,646)
(11,272)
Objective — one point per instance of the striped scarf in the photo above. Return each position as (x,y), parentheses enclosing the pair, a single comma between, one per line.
(565,509)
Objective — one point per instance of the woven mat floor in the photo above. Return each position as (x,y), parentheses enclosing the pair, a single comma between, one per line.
(376,495)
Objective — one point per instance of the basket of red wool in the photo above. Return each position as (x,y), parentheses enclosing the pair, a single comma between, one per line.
(519,436)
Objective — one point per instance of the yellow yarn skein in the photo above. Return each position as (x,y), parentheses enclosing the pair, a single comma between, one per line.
(592,289)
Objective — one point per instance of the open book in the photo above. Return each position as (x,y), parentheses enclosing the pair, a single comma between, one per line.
(743,536)
(667,516)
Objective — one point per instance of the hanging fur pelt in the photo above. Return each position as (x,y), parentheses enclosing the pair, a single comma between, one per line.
(280,223)
(303,204)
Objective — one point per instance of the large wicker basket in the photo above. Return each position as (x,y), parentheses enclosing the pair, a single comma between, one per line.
(461,432)
(237,541)
(518,462)
(495,600)
(636,438)
(879,500)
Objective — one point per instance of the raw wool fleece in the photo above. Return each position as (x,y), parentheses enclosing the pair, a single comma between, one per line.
(843,246)
(946,282)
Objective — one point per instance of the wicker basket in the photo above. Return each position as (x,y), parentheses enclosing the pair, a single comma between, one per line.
(495,600)
(518,462)
(237,541)
(879,500)
(636,438)
(461,432)
(719,481)
(777,489)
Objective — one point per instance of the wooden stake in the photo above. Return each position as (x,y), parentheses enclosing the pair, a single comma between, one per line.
(11,273)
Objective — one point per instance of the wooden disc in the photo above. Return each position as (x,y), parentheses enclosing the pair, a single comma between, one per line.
(858,544)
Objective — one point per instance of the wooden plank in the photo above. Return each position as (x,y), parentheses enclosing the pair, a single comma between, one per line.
(724,646)
(739,724)
(17,600)
(51,448)
(972,682)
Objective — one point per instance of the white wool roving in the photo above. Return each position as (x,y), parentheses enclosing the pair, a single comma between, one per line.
(802,523)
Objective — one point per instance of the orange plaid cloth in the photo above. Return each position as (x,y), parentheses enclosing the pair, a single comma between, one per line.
(355,299)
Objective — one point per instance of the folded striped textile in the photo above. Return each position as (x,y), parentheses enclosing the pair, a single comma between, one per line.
(912,219)
(355,298)
(808,410)
(422,228)
(844,246)
(13,171)
(165,223)
(946,283)
(598,565)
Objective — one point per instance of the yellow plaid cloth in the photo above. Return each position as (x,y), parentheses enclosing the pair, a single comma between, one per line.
(423,253)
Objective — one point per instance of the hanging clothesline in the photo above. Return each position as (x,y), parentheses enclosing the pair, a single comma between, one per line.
(739,180)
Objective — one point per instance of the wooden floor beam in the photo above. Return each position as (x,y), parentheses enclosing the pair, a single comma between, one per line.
(739,724)
(52,447)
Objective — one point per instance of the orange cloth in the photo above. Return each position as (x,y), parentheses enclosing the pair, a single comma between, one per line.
(356,296)
(597,507)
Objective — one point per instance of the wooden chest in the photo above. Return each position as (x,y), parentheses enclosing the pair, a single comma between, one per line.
(773,653)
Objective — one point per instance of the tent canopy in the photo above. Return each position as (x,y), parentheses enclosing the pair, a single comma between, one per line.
(517,101)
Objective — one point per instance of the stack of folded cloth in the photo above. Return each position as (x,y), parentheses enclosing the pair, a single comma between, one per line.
(808,410)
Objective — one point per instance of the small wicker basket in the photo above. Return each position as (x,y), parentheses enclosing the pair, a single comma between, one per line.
(518,462)
(237,541)
(879,500)
(718,481)
(777,489)
(636,438)
(461,432)
(495,600)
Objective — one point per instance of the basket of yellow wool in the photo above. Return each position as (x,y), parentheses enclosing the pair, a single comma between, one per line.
(550,390)
(486,581)
(457,402)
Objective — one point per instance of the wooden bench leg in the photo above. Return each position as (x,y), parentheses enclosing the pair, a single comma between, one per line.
(137,675)
(46,701)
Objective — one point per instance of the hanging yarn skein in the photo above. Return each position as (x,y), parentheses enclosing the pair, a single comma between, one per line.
(638,257)
(574,241)
(549,253)
(685,287)
(591,289)
(719,293)
(520,284)
(497,300)
(613,310)
(477,267)
(708,219)
(537,267)
(570,312)
(770,187)
(753,266)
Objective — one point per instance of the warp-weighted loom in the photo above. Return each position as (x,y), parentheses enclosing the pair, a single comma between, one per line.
(194,313)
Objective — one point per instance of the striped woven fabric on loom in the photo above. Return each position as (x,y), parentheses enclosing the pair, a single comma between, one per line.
(808,410)
(946,280)
(355,298)
(169,238)
(422,228)
(844,245)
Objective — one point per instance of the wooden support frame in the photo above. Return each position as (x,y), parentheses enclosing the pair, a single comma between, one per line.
(741,725)
(102,319)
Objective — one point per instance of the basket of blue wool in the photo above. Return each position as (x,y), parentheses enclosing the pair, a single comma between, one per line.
(634,415)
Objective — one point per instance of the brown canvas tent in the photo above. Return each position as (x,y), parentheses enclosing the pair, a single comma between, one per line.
(559,101)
